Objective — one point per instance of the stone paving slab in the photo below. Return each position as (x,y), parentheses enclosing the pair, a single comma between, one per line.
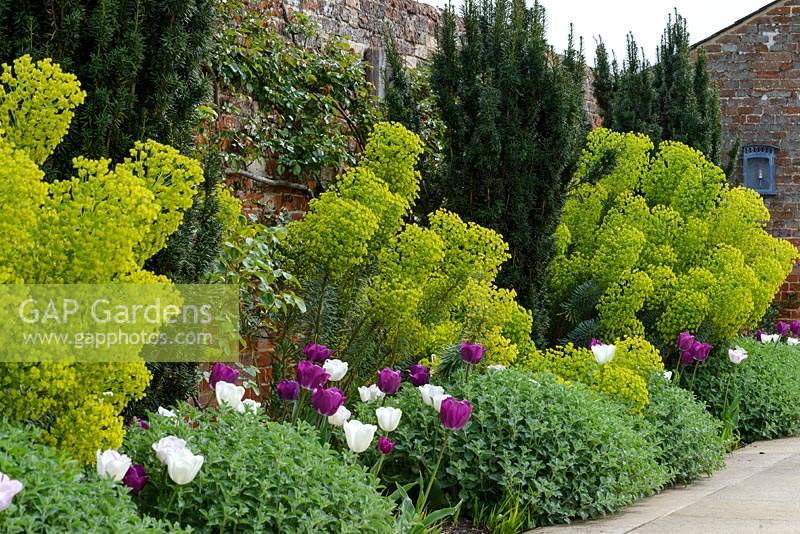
(757,491)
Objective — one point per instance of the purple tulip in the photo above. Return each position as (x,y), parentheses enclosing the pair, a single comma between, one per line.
(471,353)
(700,351)
(222,373)
(385,445)
(311,376)
(317,353)
(135,478)
(419,374)
(288,390)
(795,328)
(594,342)
(687,357)
(757,335)
(454,414)
(685,341)
(141,423)
(782,328)
(389,381)
(327,401)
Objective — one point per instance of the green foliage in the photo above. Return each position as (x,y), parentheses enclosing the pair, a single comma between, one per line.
(257,476)
(98,226)
(380,292)
(139,61)
(624,378)
(687,435)
(562,450)
(768,382)
(670,246)
(312,98)
(513,109)
(58,497)
(674,99)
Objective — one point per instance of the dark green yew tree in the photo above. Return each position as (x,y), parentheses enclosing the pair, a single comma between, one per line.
(513,109)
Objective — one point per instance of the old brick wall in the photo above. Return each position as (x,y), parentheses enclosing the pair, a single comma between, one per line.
(756,65)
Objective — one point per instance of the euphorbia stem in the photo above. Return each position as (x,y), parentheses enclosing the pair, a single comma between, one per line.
(421,504)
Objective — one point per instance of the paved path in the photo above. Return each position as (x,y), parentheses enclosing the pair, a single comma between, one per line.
(758,491)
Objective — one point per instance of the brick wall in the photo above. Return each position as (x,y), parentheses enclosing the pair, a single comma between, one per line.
(756,65)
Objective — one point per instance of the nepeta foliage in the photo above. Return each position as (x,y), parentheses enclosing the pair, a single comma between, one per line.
(57,494)
(99,226)
(663,245)
(671,100)
(379,291)
(513,109)
(257,476)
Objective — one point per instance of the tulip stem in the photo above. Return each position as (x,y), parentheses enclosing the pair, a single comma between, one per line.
(171,500)
(421,504)
(466,375)
(377,467)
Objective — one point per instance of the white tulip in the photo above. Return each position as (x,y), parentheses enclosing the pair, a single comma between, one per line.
(230,395)
(341,416)
(251,405)
(428,391)
(358,435)
(770,338)
(336,368)
(792,341)
(8,489)
(667,375)
(388,418)
(496,367)
(183,466)
(371,393)
(737,355)
(167,444)
(166,413)
(111,464)
(436,401)
(604,353)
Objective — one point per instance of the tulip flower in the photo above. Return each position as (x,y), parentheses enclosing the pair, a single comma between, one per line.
(135,478)
(700,351)
(792,341)
(428,392)
(311,376)
(336,369)
(496,367)
(289,390)
(358,435)
(388,418)
(604,353)
(782,328)
(327,401)
(436,401)
(230,395)
(8,489)
(341,416)
(385,445)
(166,413)
(685,341)
(389,381)
(795,327)
(594,342)
(183,466)
(419,374)
(222,373)
(141,423)
(737,355)
(758,335)
(111,464)
(770,338)
(667,375)
(454,413)
(251,405)
(317,353)
(471,353)
(371,393)
(163,446)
